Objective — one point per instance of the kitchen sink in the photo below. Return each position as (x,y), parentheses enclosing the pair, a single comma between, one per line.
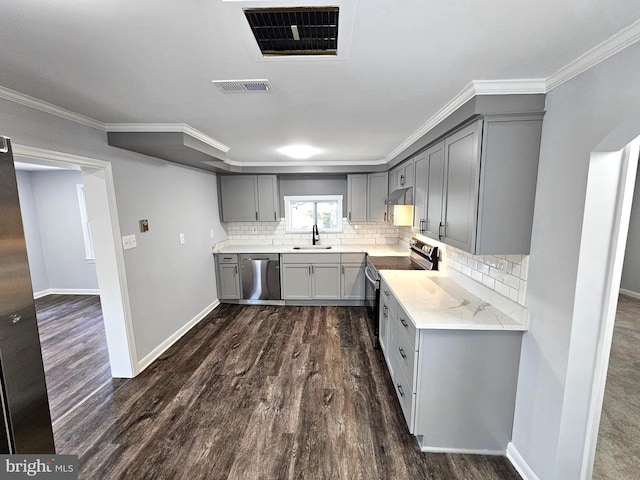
(312,247)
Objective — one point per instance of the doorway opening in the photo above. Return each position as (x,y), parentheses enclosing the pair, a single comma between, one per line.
(99,193)
(609,197)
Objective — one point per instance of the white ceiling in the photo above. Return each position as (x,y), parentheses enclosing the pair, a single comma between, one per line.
(152,61)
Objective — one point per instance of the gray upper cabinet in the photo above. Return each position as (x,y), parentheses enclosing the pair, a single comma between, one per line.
(377,191)
(421,167)
(490,175)
(435,189)
(357,197)
(462,170)
(249,198)
(365,197)
(268,199)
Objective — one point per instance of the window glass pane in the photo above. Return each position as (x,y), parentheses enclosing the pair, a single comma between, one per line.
(327,215)
(302,215)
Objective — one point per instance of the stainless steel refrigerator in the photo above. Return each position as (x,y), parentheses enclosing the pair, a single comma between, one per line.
(26,420)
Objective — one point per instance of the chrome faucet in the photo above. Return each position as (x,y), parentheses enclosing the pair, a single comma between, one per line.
(315,235)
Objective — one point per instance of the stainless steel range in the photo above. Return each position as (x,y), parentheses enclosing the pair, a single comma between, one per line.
(422,256)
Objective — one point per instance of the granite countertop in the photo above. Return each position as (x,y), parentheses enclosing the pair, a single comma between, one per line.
(433,300)
(371,249)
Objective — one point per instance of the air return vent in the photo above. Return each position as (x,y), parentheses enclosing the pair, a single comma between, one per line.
(243,86)
(295,31)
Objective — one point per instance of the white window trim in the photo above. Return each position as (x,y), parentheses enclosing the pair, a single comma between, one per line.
(311,198)
(86,228)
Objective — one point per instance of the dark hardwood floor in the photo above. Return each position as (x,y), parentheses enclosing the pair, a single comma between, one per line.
(74,349)
(260,392)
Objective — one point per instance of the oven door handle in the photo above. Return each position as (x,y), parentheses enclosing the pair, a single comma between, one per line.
(366,274)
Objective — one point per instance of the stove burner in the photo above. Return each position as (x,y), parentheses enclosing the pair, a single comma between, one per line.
(395,263)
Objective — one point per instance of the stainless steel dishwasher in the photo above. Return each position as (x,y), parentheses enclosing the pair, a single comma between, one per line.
(260,278)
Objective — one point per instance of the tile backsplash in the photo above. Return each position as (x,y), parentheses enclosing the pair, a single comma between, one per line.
(275,233)
(505,274)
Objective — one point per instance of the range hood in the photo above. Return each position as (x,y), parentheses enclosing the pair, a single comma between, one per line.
(397,197)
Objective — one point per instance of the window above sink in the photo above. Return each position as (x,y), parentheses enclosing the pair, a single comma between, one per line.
(303,211)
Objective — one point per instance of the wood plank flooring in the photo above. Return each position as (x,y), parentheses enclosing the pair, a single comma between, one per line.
(74,349)
(260,392)
(618,449)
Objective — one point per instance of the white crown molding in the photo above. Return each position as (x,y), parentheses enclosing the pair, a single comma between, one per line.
(53,156)
(522,86)
(167,127)
(456,102)
(32,102)
(304,163)
(599,53)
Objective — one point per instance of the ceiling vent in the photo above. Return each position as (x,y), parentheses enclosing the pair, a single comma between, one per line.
(295,31)
(243,86)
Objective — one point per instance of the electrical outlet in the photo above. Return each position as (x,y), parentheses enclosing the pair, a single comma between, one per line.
(129,242)
(182,239)
(254,229)
(211,233)
(502,268)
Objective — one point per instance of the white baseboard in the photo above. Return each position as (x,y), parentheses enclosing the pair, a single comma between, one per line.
(160,349)
(630,293)
(66,291)
(519,463)
(464,451)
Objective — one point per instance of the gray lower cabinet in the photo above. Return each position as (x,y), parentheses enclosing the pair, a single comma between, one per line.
(475,190)
(353,278)
(228,277)
(249,198)
(310,276)
(296,281)
(456,388)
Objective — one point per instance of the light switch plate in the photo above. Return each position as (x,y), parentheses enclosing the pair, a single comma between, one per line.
(182,239)
(129,242)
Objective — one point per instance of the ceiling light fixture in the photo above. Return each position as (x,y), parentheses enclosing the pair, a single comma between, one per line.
(299,152)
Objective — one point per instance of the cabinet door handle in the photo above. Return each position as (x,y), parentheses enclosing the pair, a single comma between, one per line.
(385,311)
(400,390)
(385,216)
(275,215)
(401,179)
(343,270)
(349,216)
(256,215)
(440,234)
(402,354)
(309,269)
(404,322)
(236,269)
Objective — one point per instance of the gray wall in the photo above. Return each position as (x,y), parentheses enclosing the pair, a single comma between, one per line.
(168,284)
(580,113)
(631,270)
(37,264)
(328,185)
(60,225)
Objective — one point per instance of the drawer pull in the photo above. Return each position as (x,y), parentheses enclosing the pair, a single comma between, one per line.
(400,390)
(402,354)
(403,322)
